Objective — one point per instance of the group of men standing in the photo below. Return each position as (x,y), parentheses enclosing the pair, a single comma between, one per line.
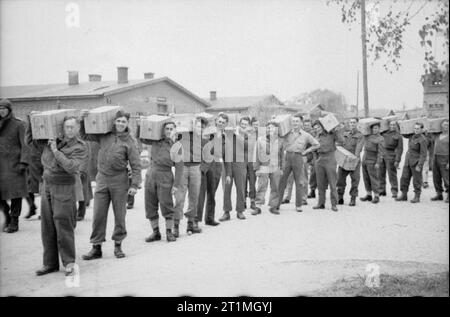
(251,158)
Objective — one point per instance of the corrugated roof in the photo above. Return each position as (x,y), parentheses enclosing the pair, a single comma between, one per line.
(241,102)
(84,90)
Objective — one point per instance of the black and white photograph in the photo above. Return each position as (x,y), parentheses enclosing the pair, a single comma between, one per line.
(236,150)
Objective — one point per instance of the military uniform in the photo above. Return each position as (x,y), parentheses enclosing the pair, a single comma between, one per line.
(116,151)
(440,164)
(415,156)
(373,154)
(393,150)
(352,141)
(294,143)
(58,198)
(326,167)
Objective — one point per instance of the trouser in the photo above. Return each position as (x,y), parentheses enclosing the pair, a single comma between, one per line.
(370,177)
(30,200)
(210,180)
(190,183)
(12,212)
(289,188)
(110,189)
(239,176)
(158,190)
(293,164)
(342,180)
(440,173)
(326,175)
(263,184)
(312,176)
(408,173)
(250,183)
(387,165)
(86,195)
(425,169)
(58,223)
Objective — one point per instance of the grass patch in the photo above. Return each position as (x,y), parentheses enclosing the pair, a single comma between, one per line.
(419,284)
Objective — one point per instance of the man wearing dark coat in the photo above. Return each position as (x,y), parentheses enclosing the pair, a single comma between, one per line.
(14,157)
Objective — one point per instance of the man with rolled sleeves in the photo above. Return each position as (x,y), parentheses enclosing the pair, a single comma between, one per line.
(14,160)
(393,150)
(440,163)
(295,146)
(326,165)
(160,184)
(61,159)
(211,168)
(236,145)
(117,149)
(412,168)
(373,154)
(352,141)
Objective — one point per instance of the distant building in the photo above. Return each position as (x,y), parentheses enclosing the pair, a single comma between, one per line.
(241,105)
(139,97)
(435,94)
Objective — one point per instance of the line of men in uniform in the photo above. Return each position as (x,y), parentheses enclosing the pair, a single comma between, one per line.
(199,161)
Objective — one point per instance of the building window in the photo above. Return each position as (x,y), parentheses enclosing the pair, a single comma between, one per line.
(162,108)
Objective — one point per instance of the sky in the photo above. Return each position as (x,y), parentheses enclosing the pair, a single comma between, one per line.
(235,47)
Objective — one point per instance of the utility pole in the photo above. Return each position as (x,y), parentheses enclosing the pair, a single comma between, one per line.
(357,94)
(364,57)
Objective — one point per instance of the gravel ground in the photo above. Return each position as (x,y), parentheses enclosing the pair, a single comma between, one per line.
(265,255)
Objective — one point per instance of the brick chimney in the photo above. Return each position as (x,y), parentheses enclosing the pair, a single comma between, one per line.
(122,75)
(149,75)
(95,77)
(212,95)
(73,77)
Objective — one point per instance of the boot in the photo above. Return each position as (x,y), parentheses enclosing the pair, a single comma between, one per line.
(304,202)
(256,211)
(155,236)
(366,198)
(192,228)
(383,193)
(212,223)
(376,199)
(298,209)
(46,270)
(285,201)
(416,198)
(240,215)
(352,201)
(13,225)
(197,229)
(95,253)
(334,208)
(225,216)
(32,211)
(394,195)
(446,199)
(425,185)
(81,210)
(437,197)
(274,210)
(169,236)
(312,194)
(118,251)
(253,205)
(319,207)
(176,230)
(403,197)
(340,200)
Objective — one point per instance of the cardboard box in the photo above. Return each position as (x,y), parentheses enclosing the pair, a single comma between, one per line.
(184,120)
(152,127)
(407,126)
(384,125)
(285,124)
(49,124)
(209,117)
(100,120)
(435,125)
(346,159)
(365,124)
(329,122)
